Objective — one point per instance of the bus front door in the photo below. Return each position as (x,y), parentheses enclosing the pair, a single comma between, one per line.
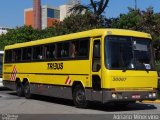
(96,70)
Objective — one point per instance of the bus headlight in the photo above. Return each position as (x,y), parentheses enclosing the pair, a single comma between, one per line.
(117,96)
(114,96)
(150,95)
(154,94)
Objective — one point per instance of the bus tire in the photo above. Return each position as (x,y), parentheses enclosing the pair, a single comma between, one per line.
(19,89)
(27,91)
(79,97)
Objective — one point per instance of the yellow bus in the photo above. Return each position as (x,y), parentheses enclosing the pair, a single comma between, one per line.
(103,65)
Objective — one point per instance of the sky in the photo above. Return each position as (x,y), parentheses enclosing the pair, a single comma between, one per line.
(12,11)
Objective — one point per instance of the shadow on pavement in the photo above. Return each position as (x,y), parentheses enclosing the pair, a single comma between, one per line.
(4,89)
(95,106)
(98,106)
(130,107)
(53,100)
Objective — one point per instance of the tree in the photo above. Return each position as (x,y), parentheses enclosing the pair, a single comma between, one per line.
(99,7)
(145,21)
(131,20)
(79,22)
(18,35)
(96,7)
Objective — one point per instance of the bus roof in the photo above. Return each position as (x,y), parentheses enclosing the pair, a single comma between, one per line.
(89,33)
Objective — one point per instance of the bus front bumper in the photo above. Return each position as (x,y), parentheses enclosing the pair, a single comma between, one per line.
(115,96)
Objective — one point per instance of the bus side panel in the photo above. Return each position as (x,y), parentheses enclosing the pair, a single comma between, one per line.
(52,90)
(50,78)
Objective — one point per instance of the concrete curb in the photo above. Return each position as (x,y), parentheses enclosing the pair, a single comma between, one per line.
(147,101)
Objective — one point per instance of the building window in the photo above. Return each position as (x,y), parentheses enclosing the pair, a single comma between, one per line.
(53,13)
(57,14)
(50,13)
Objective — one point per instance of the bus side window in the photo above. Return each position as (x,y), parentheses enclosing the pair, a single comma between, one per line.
(13,55)
(63,50)
(72,49)
(37,53)
(96,56)
(26,54)
(8,56)
(50,51)
(59,50)
(83,50)
(18,55)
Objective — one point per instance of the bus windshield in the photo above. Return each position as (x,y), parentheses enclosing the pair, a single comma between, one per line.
(126,53)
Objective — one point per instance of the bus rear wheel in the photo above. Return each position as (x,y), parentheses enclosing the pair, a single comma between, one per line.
(27,91)
(79,97)
(19,89)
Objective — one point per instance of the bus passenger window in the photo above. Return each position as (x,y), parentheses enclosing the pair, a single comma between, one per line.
(96,56)
(63,50)
(59,50)
(50,51)
(13,56)
(26,54)
(72,50)
(37,53)
(17,55)
(8,56)
(83,50)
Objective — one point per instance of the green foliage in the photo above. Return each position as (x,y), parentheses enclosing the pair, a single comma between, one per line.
(128,21)
(18,35)
(146,21)
(80,22)
(75,23)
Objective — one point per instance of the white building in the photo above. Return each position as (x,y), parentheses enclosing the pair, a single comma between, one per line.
(64,9)
(3,30)
(73,2)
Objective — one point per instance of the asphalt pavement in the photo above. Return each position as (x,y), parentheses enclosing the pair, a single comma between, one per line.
(45,107)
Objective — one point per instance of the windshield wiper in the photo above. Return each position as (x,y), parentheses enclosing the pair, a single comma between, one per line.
(124,68)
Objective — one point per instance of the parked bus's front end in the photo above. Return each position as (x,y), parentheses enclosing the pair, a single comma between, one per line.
(129,71)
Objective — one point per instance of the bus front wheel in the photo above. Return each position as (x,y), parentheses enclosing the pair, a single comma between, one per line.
(27,91)
(79,97)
